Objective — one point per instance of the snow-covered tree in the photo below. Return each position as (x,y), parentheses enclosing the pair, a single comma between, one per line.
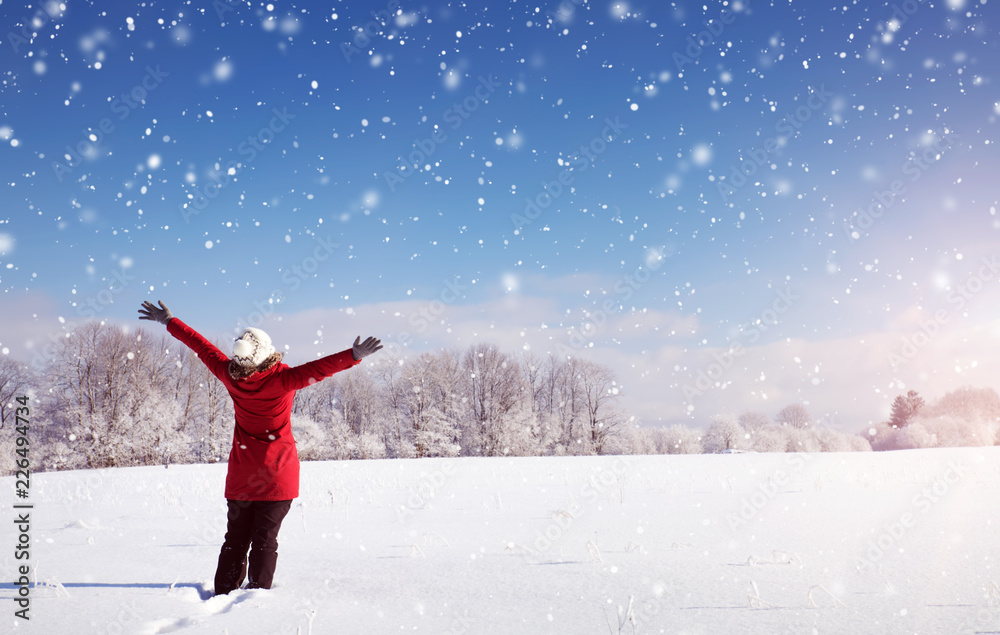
(916,436)
(962,418)
(120,396)
(859,443)
(428,388)
(769,438)
(112,400)
(680,439)
(339,441)
(310,438)
(8,458)
(831,440)
(632,439)
(552,434)
(801,440)
(725,434)
(968,403)
(370,446)
(436,435)
(519,432)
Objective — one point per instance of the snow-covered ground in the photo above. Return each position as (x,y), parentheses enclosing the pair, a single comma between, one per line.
(900,542)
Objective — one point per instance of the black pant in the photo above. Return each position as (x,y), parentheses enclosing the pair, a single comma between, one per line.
(252,525)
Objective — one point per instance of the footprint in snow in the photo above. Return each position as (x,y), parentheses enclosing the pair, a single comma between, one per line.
(212,605)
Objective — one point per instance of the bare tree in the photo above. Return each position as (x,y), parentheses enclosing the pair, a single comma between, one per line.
(794,415)
(449,386)
(14,378)
(219,415)
(600,394)
(569,397)
(112,351)
(319,401)
(183,385)
(417,402)
(495,387)
(389,371)
(359,401)
(560,403)
(532,370)
(74,372)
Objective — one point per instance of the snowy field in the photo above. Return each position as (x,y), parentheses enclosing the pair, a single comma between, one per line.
(899,542)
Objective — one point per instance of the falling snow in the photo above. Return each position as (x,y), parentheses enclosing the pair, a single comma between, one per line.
(634,183)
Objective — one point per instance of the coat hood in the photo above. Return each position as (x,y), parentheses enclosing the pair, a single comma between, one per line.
(248,373)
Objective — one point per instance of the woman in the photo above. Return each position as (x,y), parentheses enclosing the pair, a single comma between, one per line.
(263,475)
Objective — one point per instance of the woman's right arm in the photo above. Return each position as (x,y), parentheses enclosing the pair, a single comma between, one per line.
(216,361)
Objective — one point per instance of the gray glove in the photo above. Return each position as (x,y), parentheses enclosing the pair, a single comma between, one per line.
(150,312)
(364,349)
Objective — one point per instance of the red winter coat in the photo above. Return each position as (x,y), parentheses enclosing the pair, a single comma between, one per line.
(263,462)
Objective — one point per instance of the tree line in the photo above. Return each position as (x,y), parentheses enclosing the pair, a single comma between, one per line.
(108,397)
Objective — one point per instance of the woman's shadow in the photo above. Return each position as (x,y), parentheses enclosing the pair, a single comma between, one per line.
(204,592)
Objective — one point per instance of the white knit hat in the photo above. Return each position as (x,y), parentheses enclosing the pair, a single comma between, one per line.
(252,348)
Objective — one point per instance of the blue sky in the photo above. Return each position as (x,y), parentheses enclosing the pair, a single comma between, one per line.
(240,161)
